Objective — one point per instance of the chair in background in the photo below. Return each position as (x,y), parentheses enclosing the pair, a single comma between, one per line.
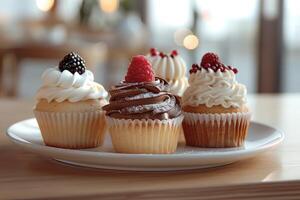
(1,74)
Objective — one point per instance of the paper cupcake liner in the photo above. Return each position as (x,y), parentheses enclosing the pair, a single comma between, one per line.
(72,130)
(216,130)
(145,136)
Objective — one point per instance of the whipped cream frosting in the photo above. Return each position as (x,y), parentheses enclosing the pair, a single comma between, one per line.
(60,86)
(214,88)
(172,69)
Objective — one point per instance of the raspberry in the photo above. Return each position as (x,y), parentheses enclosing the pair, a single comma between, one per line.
(139,70)
(153,52)
(210,58)
(73,63)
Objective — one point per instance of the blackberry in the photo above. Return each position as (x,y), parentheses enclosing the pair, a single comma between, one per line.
(73,63)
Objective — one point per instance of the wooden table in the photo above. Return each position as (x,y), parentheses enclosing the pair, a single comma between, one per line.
(272,175)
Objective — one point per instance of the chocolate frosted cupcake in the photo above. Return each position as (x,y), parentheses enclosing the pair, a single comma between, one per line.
(143,117)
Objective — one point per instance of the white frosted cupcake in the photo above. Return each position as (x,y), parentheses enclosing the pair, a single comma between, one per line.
(170,67)
(214,105)
(69,106)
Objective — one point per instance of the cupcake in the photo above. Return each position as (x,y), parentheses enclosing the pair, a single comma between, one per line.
(170,67)
(214,106)
(142,116)
(69,106)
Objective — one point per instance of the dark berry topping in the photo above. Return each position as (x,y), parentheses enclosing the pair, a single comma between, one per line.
(73,63)
(212,61)
(153,52)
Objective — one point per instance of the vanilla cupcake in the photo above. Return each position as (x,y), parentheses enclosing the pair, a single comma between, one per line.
(170,67)
(214,105)
(143,117)
(69,106)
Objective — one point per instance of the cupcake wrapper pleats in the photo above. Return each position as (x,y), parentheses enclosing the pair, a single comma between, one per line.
(74,130)
(145,136)
(216,130)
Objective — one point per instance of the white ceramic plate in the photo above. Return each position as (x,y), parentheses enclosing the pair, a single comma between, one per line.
(260,138)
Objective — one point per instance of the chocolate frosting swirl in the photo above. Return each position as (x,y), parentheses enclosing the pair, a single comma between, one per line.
(145,100)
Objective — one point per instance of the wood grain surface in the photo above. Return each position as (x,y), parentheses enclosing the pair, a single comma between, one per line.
(272,175)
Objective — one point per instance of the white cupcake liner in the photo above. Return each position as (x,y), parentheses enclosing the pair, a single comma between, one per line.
(216,130)
(145,135)
(75,130)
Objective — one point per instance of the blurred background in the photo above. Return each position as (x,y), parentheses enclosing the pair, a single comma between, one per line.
(259,37)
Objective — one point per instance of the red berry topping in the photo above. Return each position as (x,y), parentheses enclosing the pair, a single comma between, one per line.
(153,52)
(235,70)
(161,54)
(210,58)
(195,68)
(193,71)
(139,70)
(174,53)
(212,61)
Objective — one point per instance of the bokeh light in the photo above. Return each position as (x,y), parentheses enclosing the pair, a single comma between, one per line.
(109,6)
(44,5)
(191,42)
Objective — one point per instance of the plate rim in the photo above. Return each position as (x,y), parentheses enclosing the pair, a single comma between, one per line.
(114,155)
(141,169)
